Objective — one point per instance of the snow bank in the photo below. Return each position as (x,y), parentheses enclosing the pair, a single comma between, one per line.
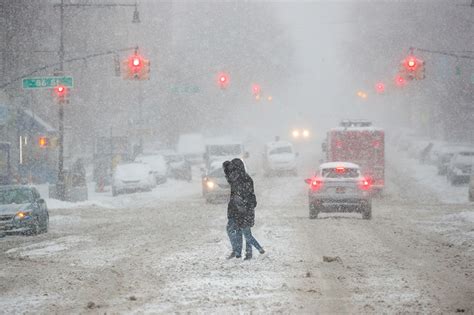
(466,216)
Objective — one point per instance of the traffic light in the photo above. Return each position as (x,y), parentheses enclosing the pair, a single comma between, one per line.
(223,80)
(136,68)
(256,89)
(380,87)
(43,142)
(61,92)
(412,68)
(400,80)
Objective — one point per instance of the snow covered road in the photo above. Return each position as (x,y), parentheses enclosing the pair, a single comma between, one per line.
(167,255)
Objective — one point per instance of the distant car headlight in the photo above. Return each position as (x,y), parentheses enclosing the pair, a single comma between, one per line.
(305,133)
(210,184)
(296,133)
(22,215)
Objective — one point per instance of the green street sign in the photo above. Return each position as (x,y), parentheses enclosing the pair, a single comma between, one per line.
(46,82)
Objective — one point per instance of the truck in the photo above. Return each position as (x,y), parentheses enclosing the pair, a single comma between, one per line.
(359,142)
(218,150)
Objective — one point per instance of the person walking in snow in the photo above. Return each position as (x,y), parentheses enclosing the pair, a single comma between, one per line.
(241,209)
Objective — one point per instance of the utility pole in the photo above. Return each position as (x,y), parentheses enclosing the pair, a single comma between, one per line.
(60,185)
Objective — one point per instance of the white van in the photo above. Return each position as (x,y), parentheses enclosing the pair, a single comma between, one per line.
(279,157)
(192,147)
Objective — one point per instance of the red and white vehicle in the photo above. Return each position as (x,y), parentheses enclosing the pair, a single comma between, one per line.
(339,187)
(357,141)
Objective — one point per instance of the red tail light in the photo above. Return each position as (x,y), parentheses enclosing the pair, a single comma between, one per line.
(315,183)
(365,184)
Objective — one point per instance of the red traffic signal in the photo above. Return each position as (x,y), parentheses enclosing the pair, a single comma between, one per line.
(43,142)
(380,87)
(411,63)
(223,80)
(60,90)
(400,81)
(256,89)
(135,63)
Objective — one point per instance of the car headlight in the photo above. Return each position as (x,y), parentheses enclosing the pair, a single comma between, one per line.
(210,184)
(21,215)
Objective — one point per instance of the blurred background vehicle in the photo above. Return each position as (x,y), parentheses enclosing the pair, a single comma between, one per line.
(157,164)
(460,167)
(22,210)
(177,166)
(192,147)
(132,177)
(215,187)
(279,158)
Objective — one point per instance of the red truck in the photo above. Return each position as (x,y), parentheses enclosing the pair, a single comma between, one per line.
(359,142)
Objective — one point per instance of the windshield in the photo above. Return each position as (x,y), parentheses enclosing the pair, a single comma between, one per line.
(340,173)
(225,150)
(280,150)
(217,173)
(17,196)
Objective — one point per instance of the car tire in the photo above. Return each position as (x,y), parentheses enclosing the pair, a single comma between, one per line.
(114,192)
(367,212)
(45,226)
(313,210)
(34,228)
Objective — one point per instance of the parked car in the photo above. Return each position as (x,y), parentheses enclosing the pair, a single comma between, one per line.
(22,210)
(279,157)
(178,166)
(471,188)
(339,187)
(460,167)
(215,187)
(444,157)
(158,166)
(132,177)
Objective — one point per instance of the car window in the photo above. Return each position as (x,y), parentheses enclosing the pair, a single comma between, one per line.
(218,173)
(280,150)
(16,196)
(340,172)
(224,150)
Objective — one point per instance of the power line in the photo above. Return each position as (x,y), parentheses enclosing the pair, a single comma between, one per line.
(445,53)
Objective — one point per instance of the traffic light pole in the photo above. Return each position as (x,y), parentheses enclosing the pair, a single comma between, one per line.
(60,185)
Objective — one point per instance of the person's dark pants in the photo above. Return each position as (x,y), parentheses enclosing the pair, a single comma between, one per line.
(250,241)
(235,237)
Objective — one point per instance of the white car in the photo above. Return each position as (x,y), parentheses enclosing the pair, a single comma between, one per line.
(158,166)
(279,157)
(215,187)
(460,167)
(132,177)
(339,187)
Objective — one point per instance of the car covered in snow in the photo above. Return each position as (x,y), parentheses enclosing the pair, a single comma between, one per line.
(22,210)
(279,157)
(157,164)
(178,166)
(339,187)
(215,187)
(445,154)
(460,167)
(132,177)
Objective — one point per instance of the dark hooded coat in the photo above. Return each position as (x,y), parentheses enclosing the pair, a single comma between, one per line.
(242,201)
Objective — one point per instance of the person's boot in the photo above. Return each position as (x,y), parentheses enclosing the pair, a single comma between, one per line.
(232,255)
(261,251)
(248,256)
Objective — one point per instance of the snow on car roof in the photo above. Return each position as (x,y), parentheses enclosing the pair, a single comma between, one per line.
(338,164)
(371,128)
(222,141)
(278,144)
